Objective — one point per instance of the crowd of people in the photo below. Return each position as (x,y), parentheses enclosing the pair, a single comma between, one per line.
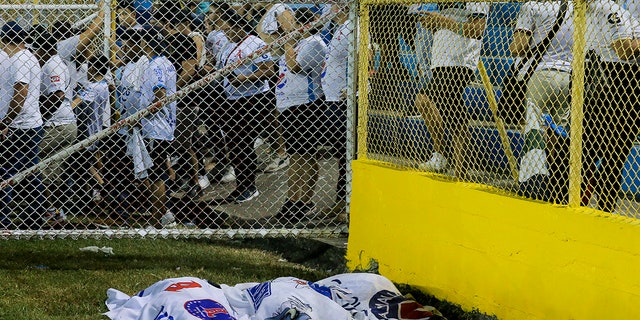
(611,122)
(59,87)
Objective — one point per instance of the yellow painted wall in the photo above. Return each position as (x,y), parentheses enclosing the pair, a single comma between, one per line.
(513,258)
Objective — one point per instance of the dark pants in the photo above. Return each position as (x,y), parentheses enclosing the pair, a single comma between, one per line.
(20,152)
(611,124)
(336,115)
(243,121)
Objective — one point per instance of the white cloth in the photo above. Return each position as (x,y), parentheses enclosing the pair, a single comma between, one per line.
(449,48)
(5,90)
(235,52)
(160,73)
(374,297)
(216,41)
(178,298)
(128,86)
(25,69)
(137,150)
(537,18)
(298,88)
(270,23)
(606,23)
(279,296)
(360,296)
(56,77)
(334,77)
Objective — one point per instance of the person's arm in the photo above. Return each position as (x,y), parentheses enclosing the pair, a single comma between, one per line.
(49,103)
(309,56)
(287,21)
(264,70)
(521,43)
(89,34)
(199,47)
(627,49)
(20,91)
(473,28)
(187,72)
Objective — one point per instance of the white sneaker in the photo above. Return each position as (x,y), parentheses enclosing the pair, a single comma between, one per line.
(438,162)
(203,181)
(278,162)
(229,176)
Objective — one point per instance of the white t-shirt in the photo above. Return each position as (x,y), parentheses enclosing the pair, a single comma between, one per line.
(178,298)
(55,77)
(450,49)
(295,89)
(160,73)
(95,96)
(537,19)
(26,69)
(334,77)
(270,23)
(5,90)
(233,53)
(606,23)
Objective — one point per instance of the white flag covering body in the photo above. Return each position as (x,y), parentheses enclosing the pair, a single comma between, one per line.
(177,298)
(372,296)
(285,298)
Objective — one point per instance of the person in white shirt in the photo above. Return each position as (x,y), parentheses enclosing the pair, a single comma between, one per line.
(158,81)
(250,100)
(75,50)
(90,106)
(60,129)
(611,109)
(277,20)
(544,167)
(21,127)
(334,86)
(299,98)
(457,32)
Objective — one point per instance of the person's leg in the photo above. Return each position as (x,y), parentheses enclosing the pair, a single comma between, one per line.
(432,120)
(457,117)
(621,123)
(31,139)
(556,105)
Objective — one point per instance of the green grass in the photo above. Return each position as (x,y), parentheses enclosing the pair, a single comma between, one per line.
(53,279)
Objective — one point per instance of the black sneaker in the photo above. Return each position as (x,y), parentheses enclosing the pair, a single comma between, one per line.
(247,195)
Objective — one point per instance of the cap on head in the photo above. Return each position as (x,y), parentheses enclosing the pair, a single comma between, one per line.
(13,33)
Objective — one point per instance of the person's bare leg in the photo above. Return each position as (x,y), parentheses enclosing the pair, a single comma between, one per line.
(293,178)
(158,202)
(308,177)
(432,119)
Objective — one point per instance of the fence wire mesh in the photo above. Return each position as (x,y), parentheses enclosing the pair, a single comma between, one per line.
(482,92)
(191,118)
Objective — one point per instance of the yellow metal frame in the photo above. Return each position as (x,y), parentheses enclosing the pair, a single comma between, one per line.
(363,82)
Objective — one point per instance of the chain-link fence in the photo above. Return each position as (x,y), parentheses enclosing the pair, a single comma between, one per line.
(175,118)
(536,98)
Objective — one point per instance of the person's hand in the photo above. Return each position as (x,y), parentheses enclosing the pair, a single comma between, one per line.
(4,130)
(3,133)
